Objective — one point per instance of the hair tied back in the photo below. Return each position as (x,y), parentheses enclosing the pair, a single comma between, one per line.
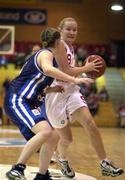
(45,43)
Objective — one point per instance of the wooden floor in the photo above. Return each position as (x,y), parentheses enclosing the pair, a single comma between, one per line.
(81,154)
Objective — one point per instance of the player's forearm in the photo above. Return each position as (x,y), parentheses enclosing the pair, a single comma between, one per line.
(76,71)
(56,89)
(48,90)
(57,74)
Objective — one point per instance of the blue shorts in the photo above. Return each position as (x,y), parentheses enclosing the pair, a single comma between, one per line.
(24,113)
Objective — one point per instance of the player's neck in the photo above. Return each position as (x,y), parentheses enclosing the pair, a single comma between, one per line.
(53,50)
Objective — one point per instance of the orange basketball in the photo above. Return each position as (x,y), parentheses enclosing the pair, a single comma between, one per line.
(95,74)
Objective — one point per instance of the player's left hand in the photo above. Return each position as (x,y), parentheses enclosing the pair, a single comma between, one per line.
(85,80)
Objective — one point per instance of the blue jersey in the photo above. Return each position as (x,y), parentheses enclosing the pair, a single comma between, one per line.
(23,102)
(31,80)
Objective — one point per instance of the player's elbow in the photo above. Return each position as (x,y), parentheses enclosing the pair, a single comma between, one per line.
(47,71)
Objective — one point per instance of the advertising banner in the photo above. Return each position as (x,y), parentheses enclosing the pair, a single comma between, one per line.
(23,16)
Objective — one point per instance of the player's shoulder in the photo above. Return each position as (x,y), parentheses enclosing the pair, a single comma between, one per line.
(46,52)
(63,42)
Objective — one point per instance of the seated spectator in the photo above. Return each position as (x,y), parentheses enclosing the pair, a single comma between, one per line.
(34,49)
(6,84)
(19,60)
(103,94)
(121,110)
(96,51)
(85,90)
(93,103)
(81,55)
(105,55)
(3,62)
(121,113)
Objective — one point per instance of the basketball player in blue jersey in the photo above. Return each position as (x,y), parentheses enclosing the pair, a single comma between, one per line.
(22,103)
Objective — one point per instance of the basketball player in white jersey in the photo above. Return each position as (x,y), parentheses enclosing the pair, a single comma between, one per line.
(62,108)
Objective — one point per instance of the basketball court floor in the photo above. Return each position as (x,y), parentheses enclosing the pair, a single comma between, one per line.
(81,154)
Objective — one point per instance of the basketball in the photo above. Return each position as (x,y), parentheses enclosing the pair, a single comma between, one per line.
(95,74)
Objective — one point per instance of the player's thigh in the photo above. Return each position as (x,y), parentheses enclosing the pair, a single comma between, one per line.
(42,126)
(56,109)
(75,102)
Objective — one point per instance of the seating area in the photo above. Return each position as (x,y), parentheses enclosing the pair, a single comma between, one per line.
(113,80)
(115,85)
(22,49)
(8,73)
(107,116)
(100,82)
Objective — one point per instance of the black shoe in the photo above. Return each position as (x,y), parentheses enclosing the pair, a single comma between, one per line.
(43,176)
(108,169)
(16,173)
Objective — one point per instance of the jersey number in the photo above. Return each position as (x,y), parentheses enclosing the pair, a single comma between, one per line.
(69,58)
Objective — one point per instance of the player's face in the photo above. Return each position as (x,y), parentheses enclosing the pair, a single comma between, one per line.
(69,31)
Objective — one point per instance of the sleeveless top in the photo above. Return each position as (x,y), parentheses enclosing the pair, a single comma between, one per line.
(31,81)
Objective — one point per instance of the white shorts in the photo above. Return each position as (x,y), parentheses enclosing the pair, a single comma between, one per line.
(60,106)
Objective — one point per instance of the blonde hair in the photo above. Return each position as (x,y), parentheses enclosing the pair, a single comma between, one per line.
(62,22)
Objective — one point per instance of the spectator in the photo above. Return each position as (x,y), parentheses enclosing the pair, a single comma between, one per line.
(34,49)
(103,94)
(105,55)
(121,113)
(96,51)
(81,54)
(19,59)
(93,103)
(3,61)
(6,84)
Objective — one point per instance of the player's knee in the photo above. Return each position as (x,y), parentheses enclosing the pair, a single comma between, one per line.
(90,124)
(67,141)
(93,129)
(46,134)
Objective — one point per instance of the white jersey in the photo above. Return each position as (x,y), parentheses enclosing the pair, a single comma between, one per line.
(71,62)
(70,55)
(60,106)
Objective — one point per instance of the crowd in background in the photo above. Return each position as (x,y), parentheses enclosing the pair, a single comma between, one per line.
(22,50)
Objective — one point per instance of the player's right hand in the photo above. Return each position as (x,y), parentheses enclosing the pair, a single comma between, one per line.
(93,65)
